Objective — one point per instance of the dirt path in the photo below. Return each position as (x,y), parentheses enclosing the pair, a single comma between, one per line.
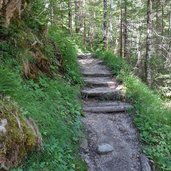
(112,141)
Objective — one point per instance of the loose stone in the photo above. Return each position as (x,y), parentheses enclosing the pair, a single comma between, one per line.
(104,148)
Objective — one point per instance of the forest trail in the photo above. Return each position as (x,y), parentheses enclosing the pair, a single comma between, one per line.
(112,142)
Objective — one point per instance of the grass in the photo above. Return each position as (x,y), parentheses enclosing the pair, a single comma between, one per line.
(52,102)
(69,53)
(152,118)
(55,107)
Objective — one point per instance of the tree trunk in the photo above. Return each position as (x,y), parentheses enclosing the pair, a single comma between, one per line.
(148,71)
(77,7)
(121,30)
(169,22)
(138,67)
(84,34)
(162,19)
(70,16)
(105,28)
(125,31)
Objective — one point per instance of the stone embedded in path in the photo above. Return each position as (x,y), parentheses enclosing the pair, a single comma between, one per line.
(104,148)
(84,145)
(145,163)
(107,107)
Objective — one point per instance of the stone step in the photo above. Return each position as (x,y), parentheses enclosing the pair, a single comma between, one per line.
(85,56)
(96,74)
(100,82)
(102,92)
(106,107)
(89,61)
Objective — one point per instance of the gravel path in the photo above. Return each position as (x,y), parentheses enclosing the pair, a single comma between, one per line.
(112,141)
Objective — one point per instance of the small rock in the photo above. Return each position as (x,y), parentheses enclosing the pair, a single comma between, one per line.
(2,130)
(145,163)
(1,145)
(123,130)
(104,148)
(84,145)
(3,122)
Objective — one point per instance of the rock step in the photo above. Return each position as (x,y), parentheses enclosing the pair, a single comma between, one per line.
(100,82)
(97,74)
(89,61)
(106,107)
(85,56)
(102,92)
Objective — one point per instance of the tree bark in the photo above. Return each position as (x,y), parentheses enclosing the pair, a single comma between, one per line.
(169,23)
(148,71)
(105,27)
(162,20)
(121,29)
(84,34)
(77,7)
(125,31)
(70,16)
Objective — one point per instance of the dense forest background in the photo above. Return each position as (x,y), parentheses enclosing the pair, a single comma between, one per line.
(40,78)
(138,31)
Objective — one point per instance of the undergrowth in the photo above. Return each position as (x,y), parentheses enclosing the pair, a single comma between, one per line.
(51,101)
(69,53)
(152,118)
(55,107)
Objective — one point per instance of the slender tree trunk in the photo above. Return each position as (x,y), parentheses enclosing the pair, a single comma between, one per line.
(125,31)
(121,30)
(70,16)
(138,67)
(169,23)
(52,15)
(84,34)
(148,71)
(105,27)
(77,25)
(162,19)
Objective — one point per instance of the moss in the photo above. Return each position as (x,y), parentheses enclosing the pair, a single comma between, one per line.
(19,137)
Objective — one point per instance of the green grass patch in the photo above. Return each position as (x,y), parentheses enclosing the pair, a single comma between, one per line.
(55,107)
(152,118)
(69,53)
(52,102)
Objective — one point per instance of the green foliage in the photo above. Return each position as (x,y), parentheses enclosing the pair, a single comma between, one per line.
(69,54)
(116,63)
(9,82)
(52,103)
(55,107)
(152,119)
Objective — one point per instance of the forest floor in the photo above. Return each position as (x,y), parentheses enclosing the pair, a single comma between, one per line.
(112,140)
